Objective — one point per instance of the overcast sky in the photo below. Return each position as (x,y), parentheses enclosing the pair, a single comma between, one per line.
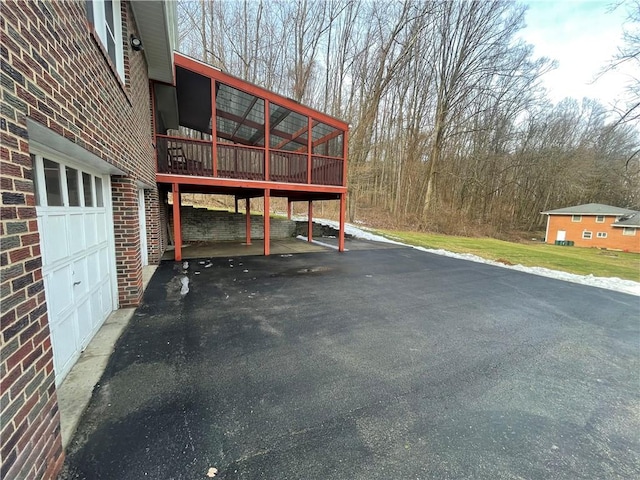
(582,36)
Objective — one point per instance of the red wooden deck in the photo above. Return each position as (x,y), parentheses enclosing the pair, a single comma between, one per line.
(239,137)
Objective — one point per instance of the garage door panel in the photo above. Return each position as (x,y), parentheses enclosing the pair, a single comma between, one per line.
(104,262)
(105,290)
(93,267)
(90,230)
(80,279)
(63,337)
(76,234)
(96,307)
(101,225)
(54,238)
(85,322)
(58,284)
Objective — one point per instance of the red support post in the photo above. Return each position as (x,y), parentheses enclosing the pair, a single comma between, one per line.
(343,204)
(177,233)
(267,224)
(345,152)
(248,225)
(214,130)
(309,148)
(288,209)
(310,222)
(267,134)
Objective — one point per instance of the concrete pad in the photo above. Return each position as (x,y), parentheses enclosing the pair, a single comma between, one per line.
(239,249)
(76,389)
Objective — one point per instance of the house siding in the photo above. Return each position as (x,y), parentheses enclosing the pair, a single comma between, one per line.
(615,239)
(56,72)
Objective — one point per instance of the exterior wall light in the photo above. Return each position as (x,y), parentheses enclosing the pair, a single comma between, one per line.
(136,43)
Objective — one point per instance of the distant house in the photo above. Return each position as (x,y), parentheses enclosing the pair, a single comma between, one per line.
(595,225)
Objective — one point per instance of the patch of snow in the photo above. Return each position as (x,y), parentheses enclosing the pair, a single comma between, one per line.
(322,244)
(185,285)
(609,283)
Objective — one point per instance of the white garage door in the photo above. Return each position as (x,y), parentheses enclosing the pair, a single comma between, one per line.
(73,209)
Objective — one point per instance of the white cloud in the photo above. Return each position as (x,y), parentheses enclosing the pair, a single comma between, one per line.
(582,36)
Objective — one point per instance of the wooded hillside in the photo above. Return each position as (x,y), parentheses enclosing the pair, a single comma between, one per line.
(451,130)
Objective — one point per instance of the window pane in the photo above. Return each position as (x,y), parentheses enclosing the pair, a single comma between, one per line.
(87,185)
(99,200)
(72,187)
(108,14)
(52,183)
(34,178)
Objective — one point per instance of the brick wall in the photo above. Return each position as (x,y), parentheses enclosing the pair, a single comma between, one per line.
(126,226)
(202,225)
(574,230)
(156,225)
(55,71)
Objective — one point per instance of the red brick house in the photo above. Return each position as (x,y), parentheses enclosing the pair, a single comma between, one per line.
(595,225)
(80,209)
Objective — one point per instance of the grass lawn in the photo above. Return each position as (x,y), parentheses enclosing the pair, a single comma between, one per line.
(581,261)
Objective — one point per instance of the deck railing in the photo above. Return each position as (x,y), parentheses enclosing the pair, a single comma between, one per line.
(183,156)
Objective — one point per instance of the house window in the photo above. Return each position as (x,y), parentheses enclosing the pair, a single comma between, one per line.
(601,234)
(576,218)
(586,235)
(599,218)
(628,231)
(107,21)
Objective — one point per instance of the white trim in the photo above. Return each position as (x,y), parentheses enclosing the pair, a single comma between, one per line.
(604,218)
(587,232)
(100,26)
(631,230)
(546,233)
(108,206)
(601,235)
(573,218)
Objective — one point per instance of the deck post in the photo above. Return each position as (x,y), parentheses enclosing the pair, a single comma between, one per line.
(343,203)
(267,139)
(248,214)
(177,234)
(288,209)
(309,148)
(310,222)
(267,224)
(214,130)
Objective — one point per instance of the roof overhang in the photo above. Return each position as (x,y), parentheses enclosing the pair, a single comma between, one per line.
(156,22)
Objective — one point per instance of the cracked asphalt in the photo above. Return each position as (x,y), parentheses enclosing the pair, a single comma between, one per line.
(376,363)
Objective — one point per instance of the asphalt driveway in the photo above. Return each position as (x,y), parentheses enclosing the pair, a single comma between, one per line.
(382,363)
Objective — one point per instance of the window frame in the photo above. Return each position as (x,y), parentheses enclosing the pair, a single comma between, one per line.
(576,218)
(602,217)
(40,186)
(96,15)
(629,231)
(587,235)
(601,235)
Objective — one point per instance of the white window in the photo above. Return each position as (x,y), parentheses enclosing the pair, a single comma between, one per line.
(58,185)
(601,234)
(599,218)
(586,235)
(629,231)
(576,218)
(107,22)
